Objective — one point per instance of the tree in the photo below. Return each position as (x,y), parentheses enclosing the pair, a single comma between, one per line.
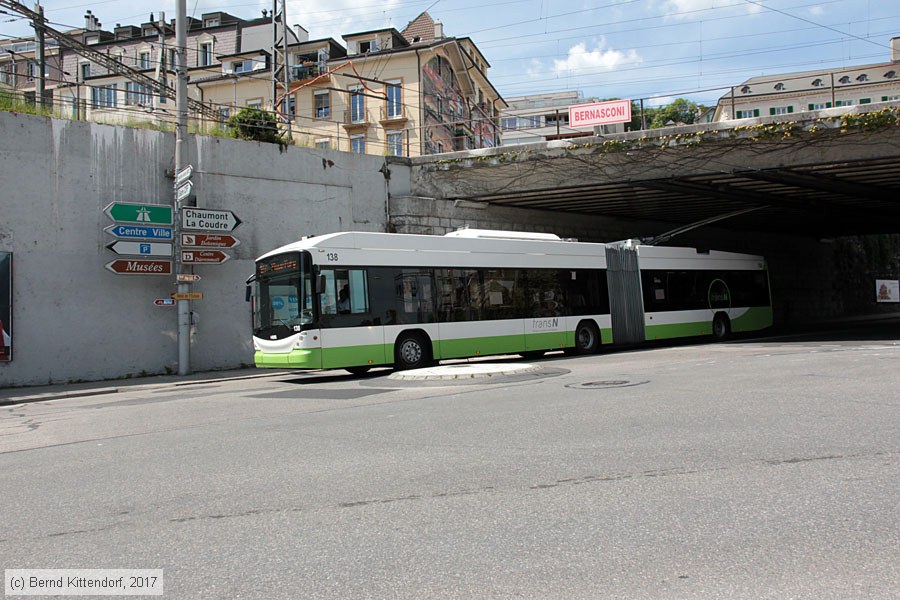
(258,125)
(680,112)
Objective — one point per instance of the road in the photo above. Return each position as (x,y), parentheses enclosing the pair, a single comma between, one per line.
(764,468)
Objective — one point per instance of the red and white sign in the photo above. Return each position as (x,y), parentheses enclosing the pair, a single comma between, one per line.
(208,240)
(600,113)
(214,257)
(128,266)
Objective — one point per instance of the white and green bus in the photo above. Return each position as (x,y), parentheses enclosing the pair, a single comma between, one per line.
(355,300)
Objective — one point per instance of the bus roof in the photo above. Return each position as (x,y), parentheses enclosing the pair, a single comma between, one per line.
(489,248)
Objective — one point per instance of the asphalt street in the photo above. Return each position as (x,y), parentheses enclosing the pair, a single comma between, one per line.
(761,468)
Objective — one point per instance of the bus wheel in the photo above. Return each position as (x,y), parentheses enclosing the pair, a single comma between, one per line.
(587,338)
(359,370)
(411,351)
(721,328)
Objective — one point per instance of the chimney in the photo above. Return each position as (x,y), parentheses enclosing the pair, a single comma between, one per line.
(895,49)
(88,21)
(438,30)
(301,33)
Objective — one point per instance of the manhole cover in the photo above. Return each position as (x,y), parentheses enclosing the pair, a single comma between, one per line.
(605,384)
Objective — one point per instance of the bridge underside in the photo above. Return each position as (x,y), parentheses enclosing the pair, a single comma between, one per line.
(831,174)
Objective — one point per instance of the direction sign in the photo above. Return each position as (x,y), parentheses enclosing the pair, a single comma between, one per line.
(164,302)
(142,214)
(141,248)
(141,232)
(204,256)
(183,175)
(137,266)
(188,296)
(187,277)
(208,240)
(208,219)
(184,190)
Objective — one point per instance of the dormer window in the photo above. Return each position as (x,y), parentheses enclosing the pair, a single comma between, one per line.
(779,86)
(212,22)
(863,77)
(844,79)
(745,89)
(368,46)
(890,75)
(818,83)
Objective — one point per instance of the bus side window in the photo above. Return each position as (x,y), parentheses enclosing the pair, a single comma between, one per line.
(346,292)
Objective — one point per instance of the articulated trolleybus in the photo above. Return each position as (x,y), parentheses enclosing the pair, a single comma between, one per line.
(356,300)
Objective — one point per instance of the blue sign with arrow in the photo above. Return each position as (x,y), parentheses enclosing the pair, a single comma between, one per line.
(141,232)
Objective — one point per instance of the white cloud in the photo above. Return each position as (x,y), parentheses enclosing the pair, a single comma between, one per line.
(690,8)
(817,11)
(598,59)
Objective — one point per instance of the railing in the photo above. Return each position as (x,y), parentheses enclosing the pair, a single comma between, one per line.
(394,113)
(357,117)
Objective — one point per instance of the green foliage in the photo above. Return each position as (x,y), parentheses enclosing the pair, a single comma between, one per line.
(11,102)
(258,125)
(681,111)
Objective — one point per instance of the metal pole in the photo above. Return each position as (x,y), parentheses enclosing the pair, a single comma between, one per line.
(184,306)
(39,53)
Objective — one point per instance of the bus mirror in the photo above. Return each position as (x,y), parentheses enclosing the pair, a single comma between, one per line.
(248,293)
(320,284)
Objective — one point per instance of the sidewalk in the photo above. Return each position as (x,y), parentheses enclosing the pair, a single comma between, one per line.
(20,395)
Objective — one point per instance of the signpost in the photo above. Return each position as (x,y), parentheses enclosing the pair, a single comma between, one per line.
(208,240)
(187,278)
(141,232)
(208,219)
(142,214)
(215,257)
(137,266)
(164,302)
(141,248)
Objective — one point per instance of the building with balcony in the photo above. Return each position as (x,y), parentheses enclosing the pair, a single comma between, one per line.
(386,92)
(788,93)
(399,93)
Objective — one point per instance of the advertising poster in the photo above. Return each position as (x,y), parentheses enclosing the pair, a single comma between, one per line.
(6,306)
(887,290)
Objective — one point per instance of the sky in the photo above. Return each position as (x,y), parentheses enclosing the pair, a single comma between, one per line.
(656,50)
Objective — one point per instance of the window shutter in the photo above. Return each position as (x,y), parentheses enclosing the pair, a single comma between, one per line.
(865,100)
(828,105)
(771,111)
(811,107)
(755,112)
(790,109)
(884,98)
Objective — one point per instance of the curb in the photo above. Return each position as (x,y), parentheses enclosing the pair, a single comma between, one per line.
(467,371)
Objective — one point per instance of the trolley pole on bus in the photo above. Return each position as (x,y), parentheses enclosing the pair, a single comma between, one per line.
(184,306)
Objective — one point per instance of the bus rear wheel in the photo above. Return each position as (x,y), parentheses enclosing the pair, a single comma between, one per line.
(411,352)
(587,338)
(721,328)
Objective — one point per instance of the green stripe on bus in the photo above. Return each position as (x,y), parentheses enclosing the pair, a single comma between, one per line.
(296,359)
(753,319)
(348,356)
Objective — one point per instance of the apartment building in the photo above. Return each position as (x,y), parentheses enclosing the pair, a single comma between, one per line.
(398,93)
(813,90)
(544,117)
(402,93)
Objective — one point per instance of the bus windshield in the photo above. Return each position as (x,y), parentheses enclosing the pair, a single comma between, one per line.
(282,303)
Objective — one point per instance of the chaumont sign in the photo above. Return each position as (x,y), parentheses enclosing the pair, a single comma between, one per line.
(600,113)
